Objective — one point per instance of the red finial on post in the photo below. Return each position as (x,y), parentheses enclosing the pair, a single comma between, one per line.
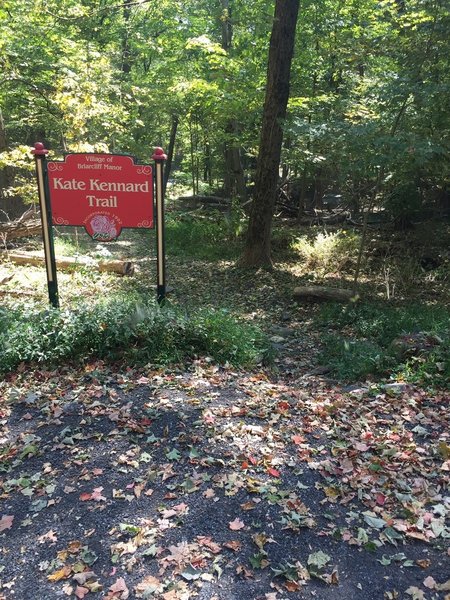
(159,154)
(39,149)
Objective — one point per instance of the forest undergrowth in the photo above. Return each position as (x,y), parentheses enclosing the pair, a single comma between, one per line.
(398,328)
(234,443)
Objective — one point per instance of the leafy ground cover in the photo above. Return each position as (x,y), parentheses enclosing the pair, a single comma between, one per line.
(127,326)
(412,342)
(205,480)
(219,484)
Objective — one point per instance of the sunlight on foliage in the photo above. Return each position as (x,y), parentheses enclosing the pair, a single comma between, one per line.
(128,326)
(328,252)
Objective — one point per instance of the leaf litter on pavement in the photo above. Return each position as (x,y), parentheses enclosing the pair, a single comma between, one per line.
(211,483)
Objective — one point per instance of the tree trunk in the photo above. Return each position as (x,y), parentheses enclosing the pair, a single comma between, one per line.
(10,206)
(234,178)
(171,150)
(126,54)
(257,249)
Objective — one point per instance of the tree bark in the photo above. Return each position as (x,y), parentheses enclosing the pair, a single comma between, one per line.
(120,267)
(234,178)
(10,206)
(126,53)
(171,150)
(257,249)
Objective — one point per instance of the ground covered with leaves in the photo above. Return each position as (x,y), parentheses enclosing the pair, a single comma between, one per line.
(211,482)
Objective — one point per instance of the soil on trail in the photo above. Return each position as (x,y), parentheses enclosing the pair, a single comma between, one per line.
(218,485)
(206,482)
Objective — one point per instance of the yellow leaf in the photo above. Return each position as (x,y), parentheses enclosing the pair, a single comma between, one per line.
(60,574)
(444,450)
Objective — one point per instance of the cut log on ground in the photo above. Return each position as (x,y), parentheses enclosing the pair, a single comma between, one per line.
(18,229)
(120,267)
(315,293)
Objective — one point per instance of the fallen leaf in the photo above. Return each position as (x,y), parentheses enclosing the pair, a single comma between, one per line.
(273,472)
(207,542)
(6,522)
(361,446)
(298,439)
(62,573)
(50,536)
(97,495)
(374,521)
(318,559)
(429,582)
(234,545)
(67,589)
(190,573)
(81,578)
(443,587)
(147,587)
(248,505)
(424,563)
(236,524)
(119,587)
(283,406)
(292,586)
(80,592)
(74,546)
(415,592)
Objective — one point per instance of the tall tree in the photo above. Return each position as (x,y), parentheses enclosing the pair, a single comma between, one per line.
(281,49)
(234,180)
(11,206)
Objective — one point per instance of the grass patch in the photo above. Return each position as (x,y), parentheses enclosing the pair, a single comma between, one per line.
(125,327)
(211,238)
(365,340)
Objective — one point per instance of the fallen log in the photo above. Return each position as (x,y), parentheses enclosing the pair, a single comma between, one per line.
(16,294)
(316,293)
(206,199)
(19,229)
(205,202)
(120,267)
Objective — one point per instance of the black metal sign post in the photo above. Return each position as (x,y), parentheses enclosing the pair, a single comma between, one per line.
(159,157)
(46,219)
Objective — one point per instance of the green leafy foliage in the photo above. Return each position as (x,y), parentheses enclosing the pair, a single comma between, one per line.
(411,341)
(128,326)
(206,238)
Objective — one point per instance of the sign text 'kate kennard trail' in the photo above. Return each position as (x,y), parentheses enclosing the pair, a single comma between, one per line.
(102,192)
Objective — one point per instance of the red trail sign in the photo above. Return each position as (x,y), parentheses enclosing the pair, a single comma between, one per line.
(102,192)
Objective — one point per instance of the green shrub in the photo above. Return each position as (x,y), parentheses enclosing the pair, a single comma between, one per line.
(328,252)
(363,346)
(217,334)
(403,203)
(125,326)
(352,359)
(384,323)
